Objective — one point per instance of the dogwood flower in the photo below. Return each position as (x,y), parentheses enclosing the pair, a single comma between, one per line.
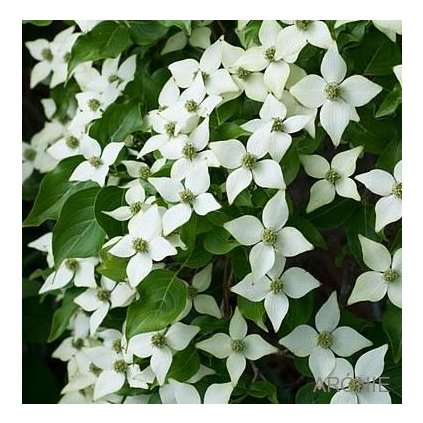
(293,38)
(161,345)
(199,37)
(34,156)
(203,303)
(389,207)
(334,177)
(100,300)
(141,170)
(78,270)
(96,166)
(360,385)
(271,133)
(338,96)
(270,237)
(144,244)
(192,195)
(275,288)
(67,146)
(329,339)
(237,346)
(44,244)
(246,166)
(384,278)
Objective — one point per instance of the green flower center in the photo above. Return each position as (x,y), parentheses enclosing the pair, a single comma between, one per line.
(191,106)
(237,345)
(136,207)
(72,142)
(47,54)
(170,129)
(278,125)
(269,54)
(242,73)
(276,286)
(144,172)
(249,161)
(30,154)
(93,104)
(390,275)
(120,366)
(78,343)
(103,294)
(114,78)
(189,151)
(325,339)
(332,176)
(71,264)
(186,196)
(333,91)
(158,340)
(95,370)
(95,161)
(117,345)
(302,25)
(269,236)
(355,385)
(140,245)
(192,291)
(397,190)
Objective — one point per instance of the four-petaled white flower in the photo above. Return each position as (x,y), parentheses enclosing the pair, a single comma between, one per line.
(384,278)
(275,288)
(96,166)
(389,207)
(269,237)
(34,156)
(246,166)
(160,346)
(144,244)
(68,146)
(361,385)
(237,346)
(191,196)
(321,346)
(338,97)
(334,177)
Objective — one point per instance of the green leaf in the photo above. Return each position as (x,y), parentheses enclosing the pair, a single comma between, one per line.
(184,25)
(290,165)
(252,311)
(392,326)
(264,389)
(108,199)
(64,99)
(299,313)
(218,241)
(107,39)
(162,299)
(39,23)
(62,315)
(334,214)
(118,121)
(184,364)
(55,189)
(309,394)
(77,233)
(308,230)
(145,33)
(111,266)
(230,130)
(390,156)
(391,102)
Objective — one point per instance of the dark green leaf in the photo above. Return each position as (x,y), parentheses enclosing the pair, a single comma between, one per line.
(252,311)
(184,364)
(290,165)
(184,25)
(308,230)
(230,130)
(299,313)
(392,326)
(334,214)
(218,241)
(145,33)
(39,23)
(111,266)
(264,389)
(390,156)
(309,394)
(62,315)
(391,102)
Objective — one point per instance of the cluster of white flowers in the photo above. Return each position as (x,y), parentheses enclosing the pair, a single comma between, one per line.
(101,360)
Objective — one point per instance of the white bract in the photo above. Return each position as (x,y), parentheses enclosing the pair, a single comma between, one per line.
(246,166)
(329,339)
(34,156)
(237,347)
(275,288)
(44,244)
(161,345)
(384,278)
(389,187)
(68,146)
(270,237)
(361,385)
(338,96)
(334,177)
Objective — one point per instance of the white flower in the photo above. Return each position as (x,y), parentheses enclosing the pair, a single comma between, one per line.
(398,72)
(293,38)
(80,270)
(67,146)
(271,133)
(361,385)
(191,196)
(247,166)
(338,97)
(44,244)
(87,25)
(237,346)
(199,37)
(100,300)
(203,303)
(384,278)
(144,244)
(389,207)
(304,341)
(34,156)
(269,237)
(141,170)
(96,166)
(275,288)
(334,177)
(160,346)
